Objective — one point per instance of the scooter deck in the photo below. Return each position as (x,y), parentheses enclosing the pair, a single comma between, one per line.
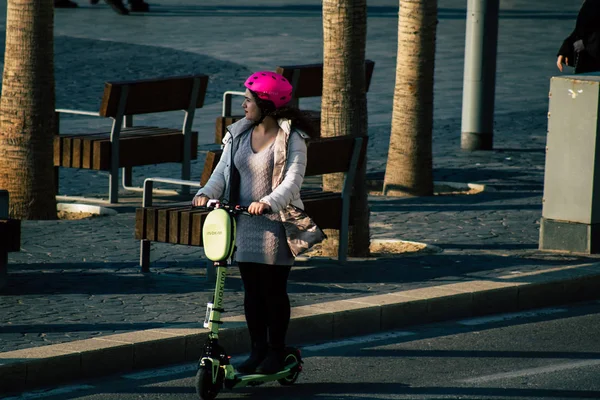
(256,379)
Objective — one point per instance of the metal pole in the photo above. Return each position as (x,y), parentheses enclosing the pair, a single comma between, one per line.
(127,171)
(479,82)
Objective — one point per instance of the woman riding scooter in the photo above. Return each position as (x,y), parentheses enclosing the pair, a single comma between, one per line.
(262,167)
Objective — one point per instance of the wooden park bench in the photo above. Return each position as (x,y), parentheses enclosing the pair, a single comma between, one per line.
(181,224)
(126,146)
(10,236)
(307,81)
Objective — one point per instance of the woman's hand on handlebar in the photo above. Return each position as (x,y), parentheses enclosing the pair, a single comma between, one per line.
(200,201)
(258,208)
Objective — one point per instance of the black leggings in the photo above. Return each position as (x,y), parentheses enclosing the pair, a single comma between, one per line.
(266,302)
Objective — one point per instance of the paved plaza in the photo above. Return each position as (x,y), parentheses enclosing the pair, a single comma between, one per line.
(80,279)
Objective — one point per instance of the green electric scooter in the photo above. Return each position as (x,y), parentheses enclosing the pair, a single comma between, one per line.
(214,368)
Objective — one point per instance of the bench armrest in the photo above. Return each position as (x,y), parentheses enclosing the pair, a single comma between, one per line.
(148,184)
(78,112)
(227,101)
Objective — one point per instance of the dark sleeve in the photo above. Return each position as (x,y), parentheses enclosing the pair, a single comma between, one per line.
(588,18)
(592,45)
(567,46)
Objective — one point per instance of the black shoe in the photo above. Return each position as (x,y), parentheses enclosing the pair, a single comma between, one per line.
(118,6)
(139,6)
(273,363)
(256,357)
(65,4)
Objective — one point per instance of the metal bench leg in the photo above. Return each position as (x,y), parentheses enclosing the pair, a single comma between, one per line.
(187,135)
(346,193)
(127,176)
(56,177)
(3,268)
(113,187)
(186,164)
(145,255)
(345,224)
(113,190)
(343,245)
(185,190)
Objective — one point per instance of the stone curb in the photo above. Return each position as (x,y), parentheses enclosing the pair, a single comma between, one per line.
(50,365)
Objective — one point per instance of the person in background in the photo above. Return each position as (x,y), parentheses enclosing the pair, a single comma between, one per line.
(117,5)
(581,49)
(64,4)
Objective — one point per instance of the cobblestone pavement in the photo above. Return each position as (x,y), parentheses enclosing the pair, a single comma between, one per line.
(79,279)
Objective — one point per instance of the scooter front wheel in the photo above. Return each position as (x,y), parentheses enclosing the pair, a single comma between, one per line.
(293,356)
(205,388)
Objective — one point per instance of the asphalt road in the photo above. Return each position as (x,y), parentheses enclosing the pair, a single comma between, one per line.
(541,354)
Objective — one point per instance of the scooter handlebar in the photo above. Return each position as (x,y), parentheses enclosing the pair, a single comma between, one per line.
(215,204)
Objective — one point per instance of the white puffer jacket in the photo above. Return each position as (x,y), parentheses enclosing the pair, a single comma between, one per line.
(288,172)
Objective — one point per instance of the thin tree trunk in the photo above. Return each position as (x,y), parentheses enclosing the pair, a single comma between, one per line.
(409,170)
(27,119)
(344,104)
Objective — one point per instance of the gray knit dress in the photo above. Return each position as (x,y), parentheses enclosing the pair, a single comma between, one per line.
(258,239)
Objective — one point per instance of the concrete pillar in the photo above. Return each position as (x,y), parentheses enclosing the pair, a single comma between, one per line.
(479,83)
(571,205)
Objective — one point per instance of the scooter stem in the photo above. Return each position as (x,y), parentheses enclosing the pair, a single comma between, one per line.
(215,314)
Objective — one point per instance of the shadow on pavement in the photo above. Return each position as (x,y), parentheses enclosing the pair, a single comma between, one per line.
(112,328)
(568,355)
(480,201)
(309,10)
(482,175)
(327,390)
(360,277)
(373,391)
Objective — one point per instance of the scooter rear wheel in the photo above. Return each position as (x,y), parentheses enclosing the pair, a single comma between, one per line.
(205,388)
(292,356)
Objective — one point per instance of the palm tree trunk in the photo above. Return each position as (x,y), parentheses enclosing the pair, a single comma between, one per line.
(409,170)
(27,121)
(344,104)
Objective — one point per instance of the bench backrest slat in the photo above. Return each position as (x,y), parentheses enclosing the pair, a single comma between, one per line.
(331,154)
(325,156)
(308,78)
(153,95)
